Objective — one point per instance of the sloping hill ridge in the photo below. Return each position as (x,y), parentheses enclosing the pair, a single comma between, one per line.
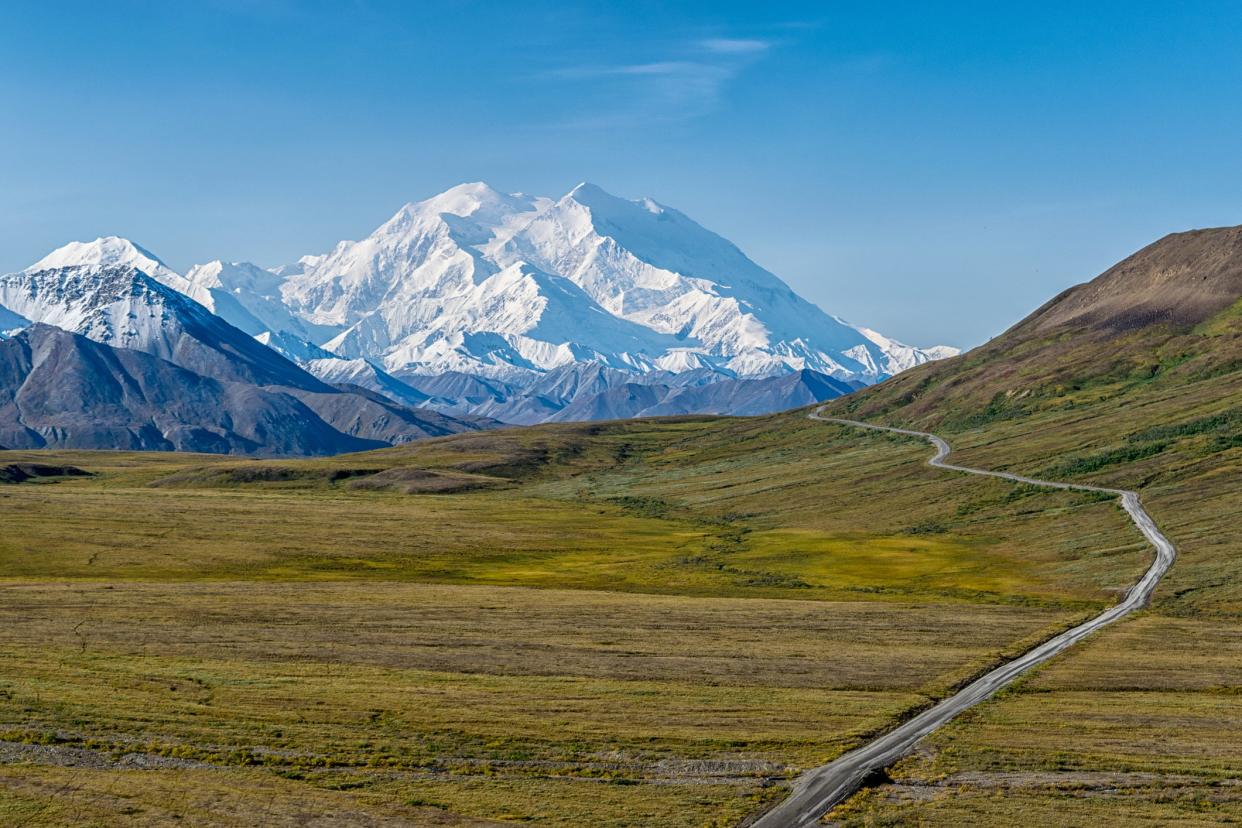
(1170,312)
(1180,280)
(1130,381)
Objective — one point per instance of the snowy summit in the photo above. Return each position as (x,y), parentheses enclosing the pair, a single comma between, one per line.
(509,287)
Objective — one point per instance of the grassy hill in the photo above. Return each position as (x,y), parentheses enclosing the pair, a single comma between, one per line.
(1134,379)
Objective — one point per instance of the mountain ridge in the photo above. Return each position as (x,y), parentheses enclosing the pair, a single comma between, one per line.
(507,286)
(1172,307)
(124,309)
(552,304)
(63,390)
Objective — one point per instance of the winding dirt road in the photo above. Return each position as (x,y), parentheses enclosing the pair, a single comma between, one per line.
(819,789)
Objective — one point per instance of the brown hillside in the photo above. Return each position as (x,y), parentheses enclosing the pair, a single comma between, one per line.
(1180,280)
(1170,311)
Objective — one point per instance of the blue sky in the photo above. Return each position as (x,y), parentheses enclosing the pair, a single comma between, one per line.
(933,171)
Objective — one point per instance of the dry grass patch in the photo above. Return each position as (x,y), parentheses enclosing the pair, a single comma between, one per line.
(1137,725)
(57,796)
(493,702)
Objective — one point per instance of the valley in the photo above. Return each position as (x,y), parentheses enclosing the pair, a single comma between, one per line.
(620,415)
(682,614)
(719,628)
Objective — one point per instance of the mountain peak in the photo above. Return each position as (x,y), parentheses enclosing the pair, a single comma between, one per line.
(110,251)
(105,250)
(586,187)
(588,194)
(480,189)
(604,204)
(510,285)
(470,199)
(121,306)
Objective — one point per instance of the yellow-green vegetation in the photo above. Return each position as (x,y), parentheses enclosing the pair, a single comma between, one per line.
(764,507)
(1137,726)
(644,623)
(44,794)
(682,709)
(1140,725)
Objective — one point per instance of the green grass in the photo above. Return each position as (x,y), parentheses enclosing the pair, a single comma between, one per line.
(1138,725)
(643,623)
(692,507)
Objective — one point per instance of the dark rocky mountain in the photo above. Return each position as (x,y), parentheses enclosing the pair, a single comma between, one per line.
(361,412)
(62,390)
(591,391)
(123,307)
(455,385)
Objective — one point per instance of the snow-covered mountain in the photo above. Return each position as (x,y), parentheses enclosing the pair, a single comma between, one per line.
(128,312)
(112,251)
(526,305)
(62,390)
(121,306)
(248,297)
(502,285)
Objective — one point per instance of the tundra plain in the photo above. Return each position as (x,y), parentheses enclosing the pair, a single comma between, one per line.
(631,623)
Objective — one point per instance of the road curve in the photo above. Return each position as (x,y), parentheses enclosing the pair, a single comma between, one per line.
(819,789)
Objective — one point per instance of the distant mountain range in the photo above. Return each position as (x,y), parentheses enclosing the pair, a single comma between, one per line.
(117,360)
(470,307)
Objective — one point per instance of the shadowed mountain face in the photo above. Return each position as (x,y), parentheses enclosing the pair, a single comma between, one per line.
(62,390)
(736,397)
(590,391)
(125,308)
(121,307)
(363,413)
(1172,311)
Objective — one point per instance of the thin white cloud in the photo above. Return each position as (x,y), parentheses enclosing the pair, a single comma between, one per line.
(666,67)
(681,88)
(734,46)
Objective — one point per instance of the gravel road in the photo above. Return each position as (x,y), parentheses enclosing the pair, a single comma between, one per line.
(819,789)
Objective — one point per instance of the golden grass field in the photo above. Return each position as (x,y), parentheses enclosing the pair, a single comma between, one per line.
(645,623)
